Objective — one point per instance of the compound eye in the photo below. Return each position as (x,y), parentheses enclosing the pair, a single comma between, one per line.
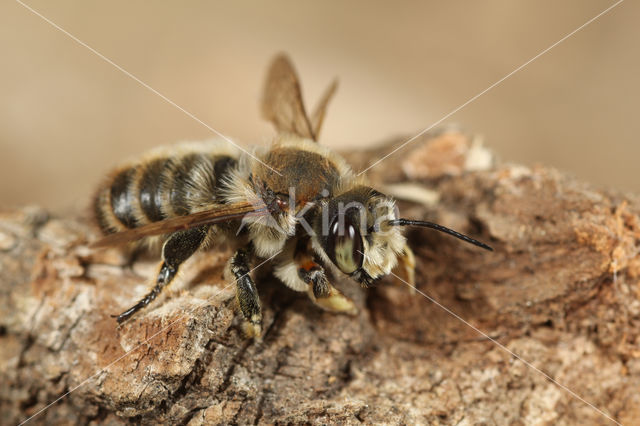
(345,247)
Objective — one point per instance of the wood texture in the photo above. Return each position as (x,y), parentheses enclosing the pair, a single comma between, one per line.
(561,290)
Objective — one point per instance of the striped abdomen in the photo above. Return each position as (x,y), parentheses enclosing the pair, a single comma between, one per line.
(165,186)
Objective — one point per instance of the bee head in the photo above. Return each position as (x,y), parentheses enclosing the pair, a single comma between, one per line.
(359,232)
(351,234)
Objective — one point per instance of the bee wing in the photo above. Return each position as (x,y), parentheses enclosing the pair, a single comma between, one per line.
(321,109)
(222,214)
(282,100)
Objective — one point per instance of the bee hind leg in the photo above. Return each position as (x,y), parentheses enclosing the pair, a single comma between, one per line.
(178,248)
(246,293)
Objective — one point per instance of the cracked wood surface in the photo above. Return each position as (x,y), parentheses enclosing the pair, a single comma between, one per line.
(561,290)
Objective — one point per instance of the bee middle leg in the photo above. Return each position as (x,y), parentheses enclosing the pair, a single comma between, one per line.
(176,249)
(246,292)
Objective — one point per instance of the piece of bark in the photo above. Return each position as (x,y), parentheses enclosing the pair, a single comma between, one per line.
(561,291)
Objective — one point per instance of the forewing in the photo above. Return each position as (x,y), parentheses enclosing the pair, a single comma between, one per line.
(282,100)
(222,214)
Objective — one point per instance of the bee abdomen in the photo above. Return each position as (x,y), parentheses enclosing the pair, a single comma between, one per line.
(113,203)
(122,198)
(159,189)
(150,196)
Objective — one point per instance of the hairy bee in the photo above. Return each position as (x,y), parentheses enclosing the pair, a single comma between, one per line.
(295,202)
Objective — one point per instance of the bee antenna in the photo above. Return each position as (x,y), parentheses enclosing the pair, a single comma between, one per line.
(408,222)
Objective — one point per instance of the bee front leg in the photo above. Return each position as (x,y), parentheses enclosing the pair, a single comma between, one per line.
(178,248)
(405,269)
(246,293)
(299,271)
(322,293)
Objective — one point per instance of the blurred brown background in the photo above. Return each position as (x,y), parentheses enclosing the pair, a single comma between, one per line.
(67,116)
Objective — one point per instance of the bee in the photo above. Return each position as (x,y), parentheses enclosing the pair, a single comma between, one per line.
(295,202)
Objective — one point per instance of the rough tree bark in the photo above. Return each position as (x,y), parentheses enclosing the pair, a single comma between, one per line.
(561,291)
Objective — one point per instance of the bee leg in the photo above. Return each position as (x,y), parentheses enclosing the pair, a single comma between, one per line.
(300,272)
(246,293)
(321,292)
(178,248)
(406,267)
